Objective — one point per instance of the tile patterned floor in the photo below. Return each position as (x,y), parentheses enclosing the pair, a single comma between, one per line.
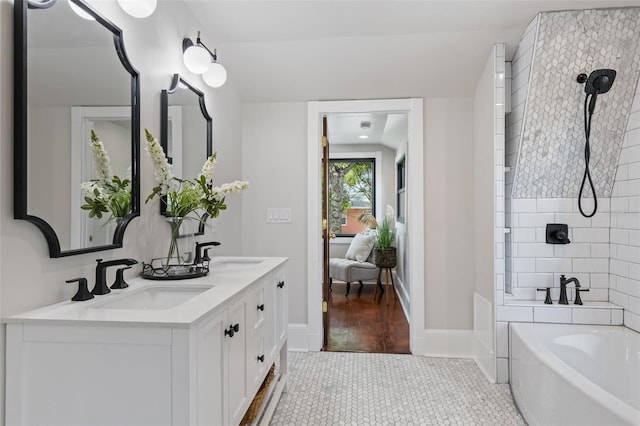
(330,388)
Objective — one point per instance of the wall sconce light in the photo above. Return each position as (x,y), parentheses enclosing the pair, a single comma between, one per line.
(200,60)
(138,8)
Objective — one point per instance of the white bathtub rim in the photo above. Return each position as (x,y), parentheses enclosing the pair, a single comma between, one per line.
(567,372)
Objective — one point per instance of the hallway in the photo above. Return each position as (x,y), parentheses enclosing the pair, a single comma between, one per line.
(361,324)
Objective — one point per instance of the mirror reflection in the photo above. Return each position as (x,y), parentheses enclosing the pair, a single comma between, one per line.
(78,80)
(186,130)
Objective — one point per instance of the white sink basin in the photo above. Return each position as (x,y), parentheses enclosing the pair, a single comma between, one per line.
(154,297)
(235,263)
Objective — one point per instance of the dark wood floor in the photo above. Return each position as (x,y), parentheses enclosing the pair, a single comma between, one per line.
(359,323)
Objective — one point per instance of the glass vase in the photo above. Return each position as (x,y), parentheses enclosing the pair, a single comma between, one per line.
(181,243)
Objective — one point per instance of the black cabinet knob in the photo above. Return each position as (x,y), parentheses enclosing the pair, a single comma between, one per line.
(280,284)
(232,330)
(261,307)
(261,358)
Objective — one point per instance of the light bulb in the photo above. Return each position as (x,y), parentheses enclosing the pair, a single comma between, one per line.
(215,76)
(80,12)
(196,59)
(138,8)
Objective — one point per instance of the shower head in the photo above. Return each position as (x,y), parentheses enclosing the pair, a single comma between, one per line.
(599,81)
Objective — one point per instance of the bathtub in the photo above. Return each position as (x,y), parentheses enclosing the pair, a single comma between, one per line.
(563,374)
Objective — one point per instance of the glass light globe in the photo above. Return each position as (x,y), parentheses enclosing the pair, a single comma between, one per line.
(80,12)
(138,8)
(215,76)
(196,59)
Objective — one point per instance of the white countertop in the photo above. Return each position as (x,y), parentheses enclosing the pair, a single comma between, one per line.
(227,281)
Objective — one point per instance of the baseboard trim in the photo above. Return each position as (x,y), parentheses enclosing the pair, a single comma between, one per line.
(485,360)
(298,338)
(401,291)
(444,344)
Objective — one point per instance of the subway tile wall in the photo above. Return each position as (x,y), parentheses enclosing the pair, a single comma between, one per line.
(500,70)
(604,253)
(536,264)
(624,278)
(519,73)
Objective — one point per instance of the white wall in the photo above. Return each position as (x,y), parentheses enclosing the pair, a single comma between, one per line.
(488,205)
(6,129)
(28,277)
(275,155)
(448,166)
(274,147)
(624,278)
(483,182)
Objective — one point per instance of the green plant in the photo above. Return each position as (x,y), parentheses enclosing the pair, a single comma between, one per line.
(107,194)
(183,197)
(386,231)
(187,198)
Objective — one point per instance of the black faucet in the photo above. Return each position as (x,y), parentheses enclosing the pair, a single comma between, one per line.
(101,273)
(199,258)
(563,289)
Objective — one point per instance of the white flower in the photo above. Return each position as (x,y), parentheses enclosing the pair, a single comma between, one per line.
(231,188)
(208,168)
(161,167)
(88,188)
(101,162)
(390,213)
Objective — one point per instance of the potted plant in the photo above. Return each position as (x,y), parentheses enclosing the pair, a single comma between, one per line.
(384,255)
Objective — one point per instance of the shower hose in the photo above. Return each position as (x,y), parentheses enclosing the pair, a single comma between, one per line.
(588,113)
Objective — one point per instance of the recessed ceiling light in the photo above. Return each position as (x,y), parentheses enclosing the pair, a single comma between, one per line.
(364,137)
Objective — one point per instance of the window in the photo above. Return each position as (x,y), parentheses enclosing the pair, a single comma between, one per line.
(401,178)
(351,194)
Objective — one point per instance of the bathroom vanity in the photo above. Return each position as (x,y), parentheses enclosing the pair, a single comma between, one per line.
(188,352)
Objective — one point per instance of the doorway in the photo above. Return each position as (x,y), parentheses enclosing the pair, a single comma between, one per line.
(414,233)
(363,152)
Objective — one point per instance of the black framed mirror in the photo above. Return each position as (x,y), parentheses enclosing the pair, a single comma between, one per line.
(186,132)
(72,76)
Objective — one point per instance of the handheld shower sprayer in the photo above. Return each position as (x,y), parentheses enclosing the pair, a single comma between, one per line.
(597,83)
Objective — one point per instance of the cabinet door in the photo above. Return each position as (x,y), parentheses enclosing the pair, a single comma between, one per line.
(282,317)
(211,358)
(257,361)
(237,394)
(256,310)
(270,337)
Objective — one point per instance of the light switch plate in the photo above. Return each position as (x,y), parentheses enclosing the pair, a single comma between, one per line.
(278,215)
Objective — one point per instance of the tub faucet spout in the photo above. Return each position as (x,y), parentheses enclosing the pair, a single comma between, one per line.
(563,288)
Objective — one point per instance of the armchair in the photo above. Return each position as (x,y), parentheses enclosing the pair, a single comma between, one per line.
(356,265)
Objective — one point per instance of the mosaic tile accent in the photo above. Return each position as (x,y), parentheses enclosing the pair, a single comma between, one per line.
(329,388)
(550,159)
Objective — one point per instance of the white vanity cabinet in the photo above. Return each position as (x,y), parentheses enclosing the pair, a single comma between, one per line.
(221,367)
(123,368)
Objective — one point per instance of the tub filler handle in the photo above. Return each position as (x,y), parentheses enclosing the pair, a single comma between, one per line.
(578,300)
(547,299)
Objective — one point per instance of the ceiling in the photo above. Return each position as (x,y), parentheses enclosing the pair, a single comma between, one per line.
(389,129)
(301,50)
